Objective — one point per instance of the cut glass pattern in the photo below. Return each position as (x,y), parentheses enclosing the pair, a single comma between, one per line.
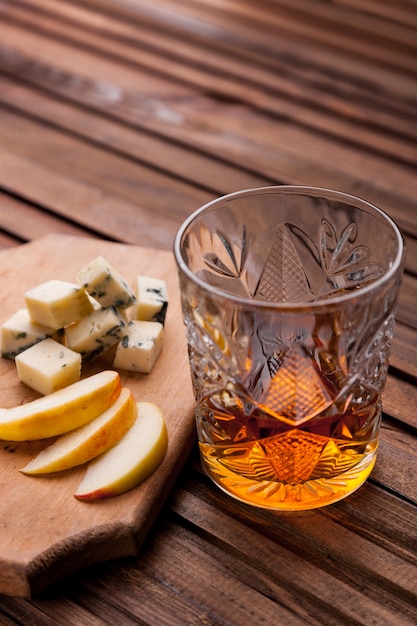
(288,398)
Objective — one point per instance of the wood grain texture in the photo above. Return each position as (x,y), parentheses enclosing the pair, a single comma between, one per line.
(46,532)
(117,119)
(222,111)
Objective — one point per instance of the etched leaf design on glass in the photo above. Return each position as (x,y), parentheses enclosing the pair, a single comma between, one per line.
(298,269)
(227,262)
(228,265)
(344,265)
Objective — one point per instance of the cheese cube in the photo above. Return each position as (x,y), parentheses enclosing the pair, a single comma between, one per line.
(140,347)
(19,333)
(57,303)
(48,366)
(105,284)
(151,299)
(96,332)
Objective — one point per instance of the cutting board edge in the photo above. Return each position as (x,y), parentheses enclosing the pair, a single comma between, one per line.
(46,568)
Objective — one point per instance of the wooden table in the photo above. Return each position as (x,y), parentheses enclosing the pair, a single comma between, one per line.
(117,120)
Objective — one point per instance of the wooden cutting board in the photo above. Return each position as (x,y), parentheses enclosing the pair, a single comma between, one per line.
(45,533)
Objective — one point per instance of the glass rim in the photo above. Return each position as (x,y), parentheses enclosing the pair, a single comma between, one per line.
(305,190)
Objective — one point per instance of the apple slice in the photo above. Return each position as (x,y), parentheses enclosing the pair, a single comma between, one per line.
(88,441)
(131,460)
(62,410)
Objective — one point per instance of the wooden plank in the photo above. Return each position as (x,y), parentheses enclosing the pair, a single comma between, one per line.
(407,305)
(46,532)
(126,178)
(115,39)
(293,551)
(336,22)
(210,573)
(365,18)
(177,558)
(155,151)
(131,142)
(310,25)
(204,572)
(383,518)
(396,466)
(27,222)
(245,39)
(403,353)
(84,203)
(237,78)
(411,253)
(36,612)
(248,139)
(398,12)
(217,176)
(400,401)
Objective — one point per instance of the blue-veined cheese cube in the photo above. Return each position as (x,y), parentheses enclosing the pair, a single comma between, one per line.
(151,299)
(48,366)
(19,333)
(105,284)
(96,332)
(141,346)
(57,303)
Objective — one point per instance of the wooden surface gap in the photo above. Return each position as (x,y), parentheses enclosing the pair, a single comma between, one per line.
(391,490)
(16,210)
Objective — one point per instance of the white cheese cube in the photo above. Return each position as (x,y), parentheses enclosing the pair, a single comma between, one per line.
(105,284)
(57,303)
(19,333)
(151,299)
(96,332)
(48,366)
(140,347)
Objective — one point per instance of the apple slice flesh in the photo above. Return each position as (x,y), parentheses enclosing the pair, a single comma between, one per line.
(62,410)
(88,441)
(135,457)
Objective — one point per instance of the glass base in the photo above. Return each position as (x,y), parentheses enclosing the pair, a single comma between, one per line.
(280,496)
